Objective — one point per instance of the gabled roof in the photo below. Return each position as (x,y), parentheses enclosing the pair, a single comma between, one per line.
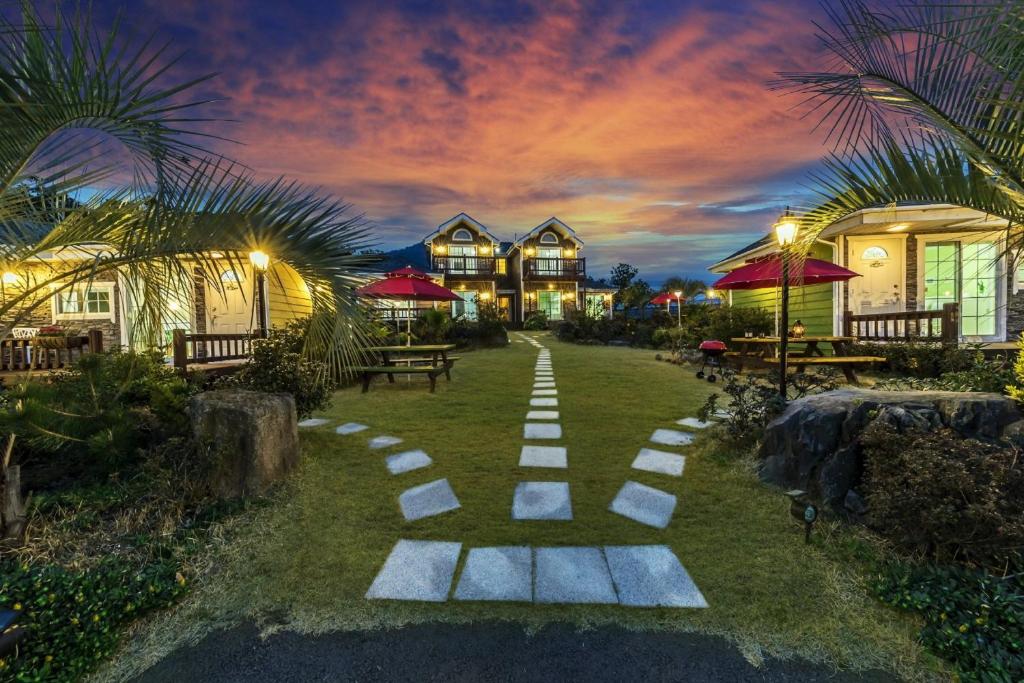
(551,222)
(461,218)
(765,242)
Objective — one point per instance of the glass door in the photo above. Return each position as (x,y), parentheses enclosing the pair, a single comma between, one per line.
(551,303)
(967,273)
(548,260)
(467,307)
(462,260)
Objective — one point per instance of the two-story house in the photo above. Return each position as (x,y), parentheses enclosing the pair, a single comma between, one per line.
(540,271)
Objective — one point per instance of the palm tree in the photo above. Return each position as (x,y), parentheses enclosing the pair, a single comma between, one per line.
(105,170)
(689,286)
(924,103)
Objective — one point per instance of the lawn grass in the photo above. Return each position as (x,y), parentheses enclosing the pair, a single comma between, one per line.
(305,563)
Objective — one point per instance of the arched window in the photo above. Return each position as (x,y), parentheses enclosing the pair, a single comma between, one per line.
(231,279)
(549,238)
(874,253)
(462,235)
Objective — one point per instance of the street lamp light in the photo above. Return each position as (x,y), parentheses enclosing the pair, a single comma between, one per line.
(260,263)
(679,308)
(785,233)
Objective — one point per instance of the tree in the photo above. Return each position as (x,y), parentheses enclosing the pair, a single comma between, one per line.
(637,294)
(621,277)
(688,286)
(924,103)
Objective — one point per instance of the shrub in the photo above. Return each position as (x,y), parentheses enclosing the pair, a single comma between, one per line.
(278,365)
(537,320)
(972,619)
(100,413)
(944,496)
(922,359)
(983,375)
(73,619)
(433,327)
(488,330)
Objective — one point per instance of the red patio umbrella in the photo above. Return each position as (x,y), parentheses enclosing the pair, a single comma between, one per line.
(768,273)
(408,284)
(665,298)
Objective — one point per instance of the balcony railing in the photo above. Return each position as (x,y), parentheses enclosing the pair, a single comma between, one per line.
(941,325)
(554,268)
(479,266)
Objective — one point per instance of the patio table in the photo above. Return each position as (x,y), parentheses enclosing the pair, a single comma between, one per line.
(766,350)
(392,355)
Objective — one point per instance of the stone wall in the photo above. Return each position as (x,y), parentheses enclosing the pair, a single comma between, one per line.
(910,296)
(814,445)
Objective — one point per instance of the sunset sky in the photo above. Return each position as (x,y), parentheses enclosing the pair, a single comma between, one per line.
(646,126)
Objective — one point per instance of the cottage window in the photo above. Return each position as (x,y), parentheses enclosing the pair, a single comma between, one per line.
(549,238)
(462,235)
(87,301)
(874,253)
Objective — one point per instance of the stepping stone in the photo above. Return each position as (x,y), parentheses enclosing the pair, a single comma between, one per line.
(545,392)
(542,500)
(542,430)
(543,402)
(543,385)
(313,422)
(407,461)
(671,437)
(573,575)
(543,456)
(350,428)
(542,415)
(651,576)
(504,573)
(384,441)
(721,414)
(417,570)
(650,460)
(428,500)
(644,504)
(693,423)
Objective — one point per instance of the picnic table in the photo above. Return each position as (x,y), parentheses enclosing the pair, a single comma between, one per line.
(429,359)
(766,349)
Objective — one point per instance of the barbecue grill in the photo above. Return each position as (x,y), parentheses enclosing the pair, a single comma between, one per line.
(712,350)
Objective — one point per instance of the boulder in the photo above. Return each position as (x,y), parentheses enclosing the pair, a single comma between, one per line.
(252,437)
(815,444)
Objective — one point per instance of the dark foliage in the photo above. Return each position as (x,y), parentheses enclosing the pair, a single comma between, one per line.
(922,359)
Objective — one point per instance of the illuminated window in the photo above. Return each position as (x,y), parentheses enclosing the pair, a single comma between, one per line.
(549,238)
(88,301)
(500,266)
(462,235)
(874,253)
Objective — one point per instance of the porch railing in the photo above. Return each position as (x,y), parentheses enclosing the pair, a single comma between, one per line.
(555,268)
(938,325)
(47,353)
(188,349)
(464,265)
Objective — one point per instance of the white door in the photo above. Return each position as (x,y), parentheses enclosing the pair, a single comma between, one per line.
(880,262)
(231,311)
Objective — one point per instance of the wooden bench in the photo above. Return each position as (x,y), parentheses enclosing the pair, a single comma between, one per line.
(844,363)
(431,371)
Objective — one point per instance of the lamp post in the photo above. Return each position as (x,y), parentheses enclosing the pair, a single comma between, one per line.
(260,263)
(679,307)
(785,233)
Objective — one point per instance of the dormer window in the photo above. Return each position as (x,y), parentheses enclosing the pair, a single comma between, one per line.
(549,238)
(462,235)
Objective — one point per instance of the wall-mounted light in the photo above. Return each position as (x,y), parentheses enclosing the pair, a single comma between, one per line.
(485,296)
(438,248)
(567,253)
(530,251)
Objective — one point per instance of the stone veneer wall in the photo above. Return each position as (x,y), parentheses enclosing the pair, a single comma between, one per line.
(910,296)
(199,295)
(42,315)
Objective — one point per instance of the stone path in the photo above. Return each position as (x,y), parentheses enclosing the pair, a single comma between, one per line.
(630,575)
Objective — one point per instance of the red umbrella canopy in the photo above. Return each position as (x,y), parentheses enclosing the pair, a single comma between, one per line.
(666,297)
(768,273)
(408,284)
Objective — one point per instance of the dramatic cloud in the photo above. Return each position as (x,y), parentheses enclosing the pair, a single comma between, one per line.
(646,126)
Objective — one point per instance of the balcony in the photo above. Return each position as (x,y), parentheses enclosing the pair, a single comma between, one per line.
(464,266)
(554,268)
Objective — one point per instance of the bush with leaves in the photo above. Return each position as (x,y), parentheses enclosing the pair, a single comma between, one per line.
(922,359)
(943,496)
(995,376)
(754,400)
(73,619)
(536,320)
(433,327)
(972,618)
(278,366)
(101,413)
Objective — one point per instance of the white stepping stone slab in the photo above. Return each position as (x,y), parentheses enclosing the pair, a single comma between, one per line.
(543,385)
(545,392)
(651,576)
(427,500)
(543,456)
(721,414)
(573,575)
(542,430)
(504,573)
(644,504)
(384,441)
(350,428)
(671,437)
(542,500)
(546,373)
(660,462)
(542,415)
(313,422)
(407,461)
(543,402)
(693,423)
(417,570)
